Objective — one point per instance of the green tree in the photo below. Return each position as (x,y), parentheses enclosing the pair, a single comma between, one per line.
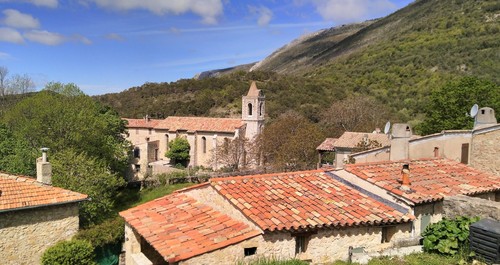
(69,253)
(15,155)
(289,143)
(178,151)
(88,175)
(449,106)
(58,122)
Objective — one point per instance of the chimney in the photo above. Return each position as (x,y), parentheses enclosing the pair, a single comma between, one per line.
(400,138)
(405,177)
(485,117)
(43,168)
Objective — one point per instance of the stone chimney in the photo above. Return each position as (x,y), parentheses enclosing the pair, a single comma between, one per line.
(405,177)
(485,117)
(43,168)
(400,138)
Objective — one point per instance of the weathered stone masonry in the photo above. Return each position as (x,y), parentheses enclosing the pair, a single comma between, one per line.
(26,234)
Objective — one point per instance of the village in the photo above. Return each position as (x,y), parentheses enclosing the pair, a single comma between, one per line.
(369,202)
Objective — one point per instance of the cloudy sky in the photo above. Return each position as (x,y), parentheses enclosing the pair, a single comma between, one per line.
(108,46)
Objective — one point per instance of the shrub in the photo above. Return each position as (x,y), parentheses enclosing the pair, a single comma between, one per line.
(107,233)
(449,236)
(178,151)
(69,253)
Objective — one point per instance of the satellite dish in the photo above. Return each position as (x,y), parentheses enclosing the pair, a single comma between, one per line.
(473,110)
(387,127)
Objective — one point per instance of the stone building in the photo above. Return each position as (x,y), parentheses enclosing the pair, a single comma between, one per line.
(477,147)
(150,137)
(34,216)
(309,215)
(421,184)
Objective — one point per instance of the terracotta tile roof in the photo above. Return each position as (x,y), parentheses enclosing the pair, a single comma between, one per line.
(22,192)
(179,227)
(303,200)
(192,124)
(142,123)
(431,179)
(351,139)
(327,145)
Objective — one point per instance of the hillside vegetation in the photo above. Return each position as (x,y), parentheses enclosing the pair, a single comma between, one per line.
(397,60)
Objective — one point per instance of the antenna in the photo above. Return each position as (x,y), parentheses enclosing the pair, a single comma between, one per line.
(473,110)
(387,127)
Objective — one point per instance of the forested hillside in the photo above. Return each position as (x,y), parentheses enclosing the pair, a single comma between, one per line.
(397,60)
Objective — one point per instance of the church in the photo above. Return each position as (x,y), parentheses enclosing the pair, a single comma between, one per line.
(150,137)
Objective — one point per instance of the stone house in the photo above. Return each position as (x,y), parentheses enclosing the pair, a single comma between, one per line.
(351,142)
(477,147)
(34,216)
(310,215)
(421,185)
(150,137)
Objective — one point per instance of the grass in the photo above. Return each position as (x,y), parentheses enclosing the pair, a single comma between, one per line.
(131,197)
(269,261)
(412,259)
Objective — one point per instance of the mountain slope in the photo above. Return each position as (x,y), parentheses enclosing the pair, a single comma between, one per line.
(397,60)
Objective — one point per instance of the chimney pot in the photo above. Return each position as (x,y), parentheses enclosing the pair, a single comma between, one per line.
(405,177)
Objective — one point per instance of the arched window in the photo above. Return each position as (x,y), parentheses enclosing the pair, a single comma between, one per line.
(137,152)
(261,106)
(167,140)
(204,144)
(226,145)
(250,109)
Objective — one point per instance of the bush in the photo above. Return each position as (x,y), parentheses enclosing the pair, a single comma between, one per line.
(448,236)
(71,252)
(108,233)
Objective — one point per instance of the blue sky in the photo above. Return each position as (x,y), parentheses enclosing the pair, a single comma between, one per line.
(107,46)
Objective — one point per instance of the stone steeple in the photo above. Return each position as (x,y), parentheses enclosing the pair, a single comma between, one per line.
(253,111)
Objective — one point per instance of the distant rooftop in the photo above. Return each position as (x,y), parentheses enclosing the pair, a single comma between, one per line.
(352,139)
(190,124)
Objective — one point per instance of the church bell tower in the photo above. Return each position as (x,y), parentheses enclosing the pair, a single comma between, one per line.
(253,111)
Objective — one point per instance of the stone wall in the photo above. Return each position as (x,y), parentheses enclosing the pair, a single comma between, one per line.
(26,234)
(471,206)
(433,212)
(485,150)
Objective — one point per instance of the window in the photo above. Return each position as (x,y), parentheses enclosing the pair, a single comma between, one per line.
(166,142)
(226,145)
(424,221)
(250,109)
(261,106)
(137,152)
(137,168)
(204,144)
(465,154)
(301,244)
(250,251)
(150,130)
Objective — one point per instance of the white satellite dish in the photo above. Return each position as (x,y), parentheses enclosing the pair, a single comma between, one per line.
(387,127)
(473,110)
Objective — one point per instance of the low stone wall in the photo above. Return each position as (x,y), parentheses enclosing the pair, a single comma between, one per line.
(26,234)
(470,206)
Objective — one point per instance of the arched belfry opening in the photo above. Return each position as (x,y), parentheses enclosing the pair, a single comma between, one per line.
(250,109)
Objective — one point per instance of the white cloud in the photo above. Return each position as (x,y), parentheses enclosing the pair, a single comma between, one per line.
(82,39)
(44,37)
(115,36)
(265,14)
(10,35)
(16,19)
(208,10)
(45,3)
(4,56)
(344,11)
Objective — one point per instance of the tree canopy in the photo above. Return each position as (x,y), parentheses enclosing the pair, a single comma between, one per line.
(289,143)
(449,106)
(178,151)
(86,141)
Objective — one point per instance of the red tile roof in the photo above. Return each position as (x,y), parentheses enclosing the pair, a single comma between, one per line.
(192,124)
(303,200)
(179,227)
(142,123)
(431,179)
(327,145)
(352,139)
(22,192)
